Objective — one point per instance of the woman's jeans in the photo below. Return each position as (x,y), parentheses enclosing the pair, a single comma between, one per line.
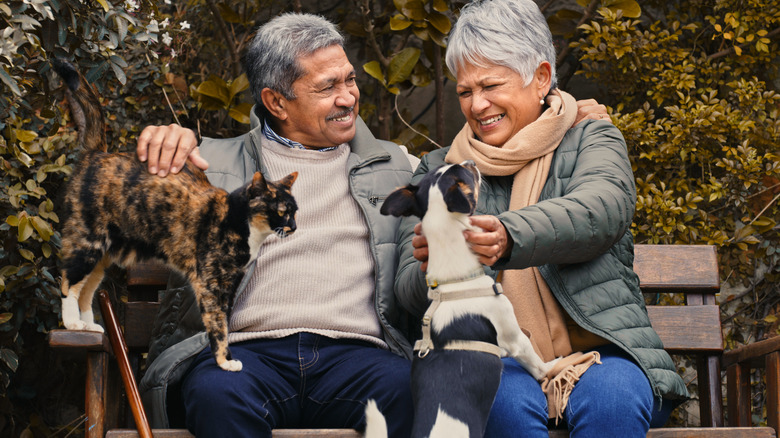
(300,381)
(613,399)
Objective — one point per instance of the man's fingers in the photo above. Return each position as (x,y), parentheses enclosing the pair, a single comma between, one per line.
(197,160)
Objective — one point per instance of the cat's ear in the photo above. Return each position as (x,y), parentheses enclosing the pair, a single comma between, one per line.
(288,180)
(402,202)
(258,185)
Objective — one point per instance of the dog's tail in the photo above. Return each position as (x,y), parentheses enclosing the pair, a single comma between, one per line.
(84,106)
(376,426)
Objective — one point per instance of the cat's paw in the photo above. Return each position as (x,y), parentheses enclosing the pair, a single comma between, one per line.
(231,365)
(91,326)
(75,325)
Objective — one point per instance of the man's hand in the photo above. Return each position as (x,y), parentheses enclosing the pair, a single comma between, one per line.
(166,148)
(590,109)
(420,245)
(490,244)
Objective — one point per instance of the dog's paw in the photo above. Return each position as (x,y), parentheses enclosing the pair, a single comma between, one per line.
(541,372)
(376,425)
(231,365)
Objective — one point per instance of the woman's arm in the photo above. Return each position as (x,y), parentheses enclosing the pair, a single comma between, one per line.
(593,211)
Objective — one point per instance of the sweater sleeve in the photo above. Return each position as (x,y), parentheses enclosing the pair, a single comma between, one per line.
(586,213)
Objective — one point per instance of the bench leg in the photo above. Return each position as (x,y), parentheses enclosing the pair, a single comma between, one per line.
(96,393)
(738,395)
(710,392)
(773,391)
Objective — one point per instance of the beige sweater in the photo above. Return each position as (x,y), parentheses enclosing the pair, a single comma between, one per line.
(321,278)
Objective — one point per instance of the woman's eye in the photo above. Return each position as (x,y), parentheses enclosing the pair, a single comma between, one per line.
(464,94)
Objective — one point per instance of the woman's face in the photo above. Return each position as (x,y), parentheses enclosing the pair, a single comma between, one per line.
(495,102)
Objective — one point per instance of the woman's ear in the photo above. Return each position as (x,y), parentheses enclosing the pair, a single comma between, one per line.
(274,102)
(543,76)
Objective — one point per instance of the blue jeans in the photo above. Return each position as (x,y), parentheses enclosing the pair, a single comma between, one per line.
(613,399)
(300,381)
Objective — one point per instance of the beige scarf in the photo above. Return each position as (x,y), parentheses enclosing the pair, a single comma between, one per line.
(528,156)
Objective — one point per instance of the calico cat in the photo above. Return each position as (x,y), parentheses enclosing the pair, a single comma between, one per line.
(116,212)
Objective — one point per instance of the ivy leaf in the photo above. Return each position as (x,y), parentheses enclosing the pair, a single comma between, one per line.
(402,64)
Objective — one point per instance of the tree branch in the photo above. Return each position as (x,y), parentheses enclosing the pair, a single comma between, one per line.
(235,61)
(368,26)
(730,50)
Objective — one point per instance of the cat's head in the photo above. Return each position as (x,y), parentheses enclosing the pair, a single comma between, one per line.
(272,205)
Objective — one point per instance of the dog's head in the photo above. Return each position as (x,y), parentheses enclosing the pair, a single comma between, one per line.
(458,183)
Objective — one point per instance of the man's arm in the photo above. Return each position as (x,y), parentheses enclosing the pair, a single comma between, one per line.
(167,148)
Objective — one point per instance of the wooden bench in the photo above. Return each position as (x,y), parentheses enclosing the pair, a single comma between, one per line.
(693,329)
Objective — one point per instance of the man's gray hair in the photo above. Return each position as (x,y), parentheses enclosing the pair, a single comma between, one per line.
(272,58)
(509,33)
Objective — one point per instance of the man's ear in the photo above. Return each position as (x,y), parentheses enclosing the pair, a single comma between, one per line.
(274,102)
(402,202)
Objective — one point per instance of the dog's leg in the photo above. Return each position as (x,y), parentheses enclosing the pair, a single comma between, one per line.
(448,427)
(376,426)
(517,345)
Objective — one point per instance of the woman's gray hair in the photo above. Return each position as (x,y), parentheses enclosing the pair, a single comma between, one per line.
(509,33)
(272,58)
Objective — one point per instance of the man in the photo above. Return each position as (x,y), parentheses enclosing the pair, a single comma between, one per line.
(315,322)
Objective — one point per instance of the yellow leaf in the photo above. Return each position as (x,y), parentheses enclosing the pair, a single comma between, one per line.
(240,112)
(26,136)
(25,230)
(374,70)
(399,22)
(27,254)
(103,3)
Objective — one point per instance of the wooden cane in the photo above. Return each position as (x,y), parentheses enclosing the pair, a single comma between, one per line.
(120,351)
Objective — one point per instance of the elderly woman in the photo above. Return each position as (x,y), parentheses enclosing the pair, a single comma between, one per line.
(556,203)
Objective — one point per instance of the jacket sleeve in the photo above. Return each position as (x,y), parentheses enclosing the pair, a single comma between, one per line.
(410,288)
(582,214)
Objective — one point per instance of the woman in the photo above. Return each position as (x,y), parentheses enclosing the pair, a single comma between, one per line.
(556,204)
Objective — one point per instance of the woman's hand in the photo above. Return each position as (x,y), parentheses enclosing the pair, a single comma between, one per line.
(166,148)
(490,244)
(590,109)
(420,245)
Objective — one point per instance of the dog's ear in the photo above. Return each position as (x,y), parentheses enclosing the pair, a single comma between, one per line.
(460,198)
(402,202)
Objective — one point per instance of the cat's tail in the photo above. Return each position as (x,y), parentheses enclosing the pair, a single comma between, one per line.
(84,106)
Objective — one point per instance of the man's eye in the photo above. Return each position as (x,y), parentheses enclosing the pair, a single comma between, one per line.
(464,94)
(351,80)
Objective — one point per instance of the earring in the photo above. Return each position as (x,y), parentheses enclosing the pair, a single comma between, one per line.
(541,101)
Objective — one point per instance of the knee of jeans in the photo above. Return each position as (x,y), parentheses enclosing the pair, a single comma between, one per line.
(519,395)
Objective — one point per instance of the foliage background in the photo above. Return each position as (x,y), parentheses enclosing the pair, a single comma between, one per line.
(691,83)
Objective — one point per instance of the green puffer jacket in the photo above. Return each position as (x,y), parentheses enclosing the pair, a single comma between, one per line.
(376,168)
(578,236)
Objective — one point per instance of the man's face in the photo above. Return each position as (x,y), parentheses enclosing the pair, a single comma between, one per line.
(326,105)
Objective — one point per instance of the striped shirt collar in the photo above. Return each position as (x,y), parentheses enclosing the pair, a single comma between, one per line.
(273,136)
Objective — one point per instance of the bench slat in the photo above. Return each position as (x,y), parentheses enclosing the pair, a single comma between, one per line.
(687,329)
(677,268)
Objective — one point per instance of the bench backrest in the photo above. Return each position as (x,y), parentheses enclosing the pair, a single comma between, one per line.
(688,269)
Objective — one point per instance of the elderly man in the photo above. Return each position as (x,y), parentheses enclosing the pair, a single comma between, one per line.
(315,322)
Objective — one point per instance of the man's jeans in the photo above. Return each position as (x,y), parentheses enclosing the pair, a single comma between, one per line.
(613,399)
(300,381)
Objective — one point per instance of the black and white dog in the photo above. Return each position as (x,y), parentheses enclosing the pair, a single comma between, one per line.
(470,324)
